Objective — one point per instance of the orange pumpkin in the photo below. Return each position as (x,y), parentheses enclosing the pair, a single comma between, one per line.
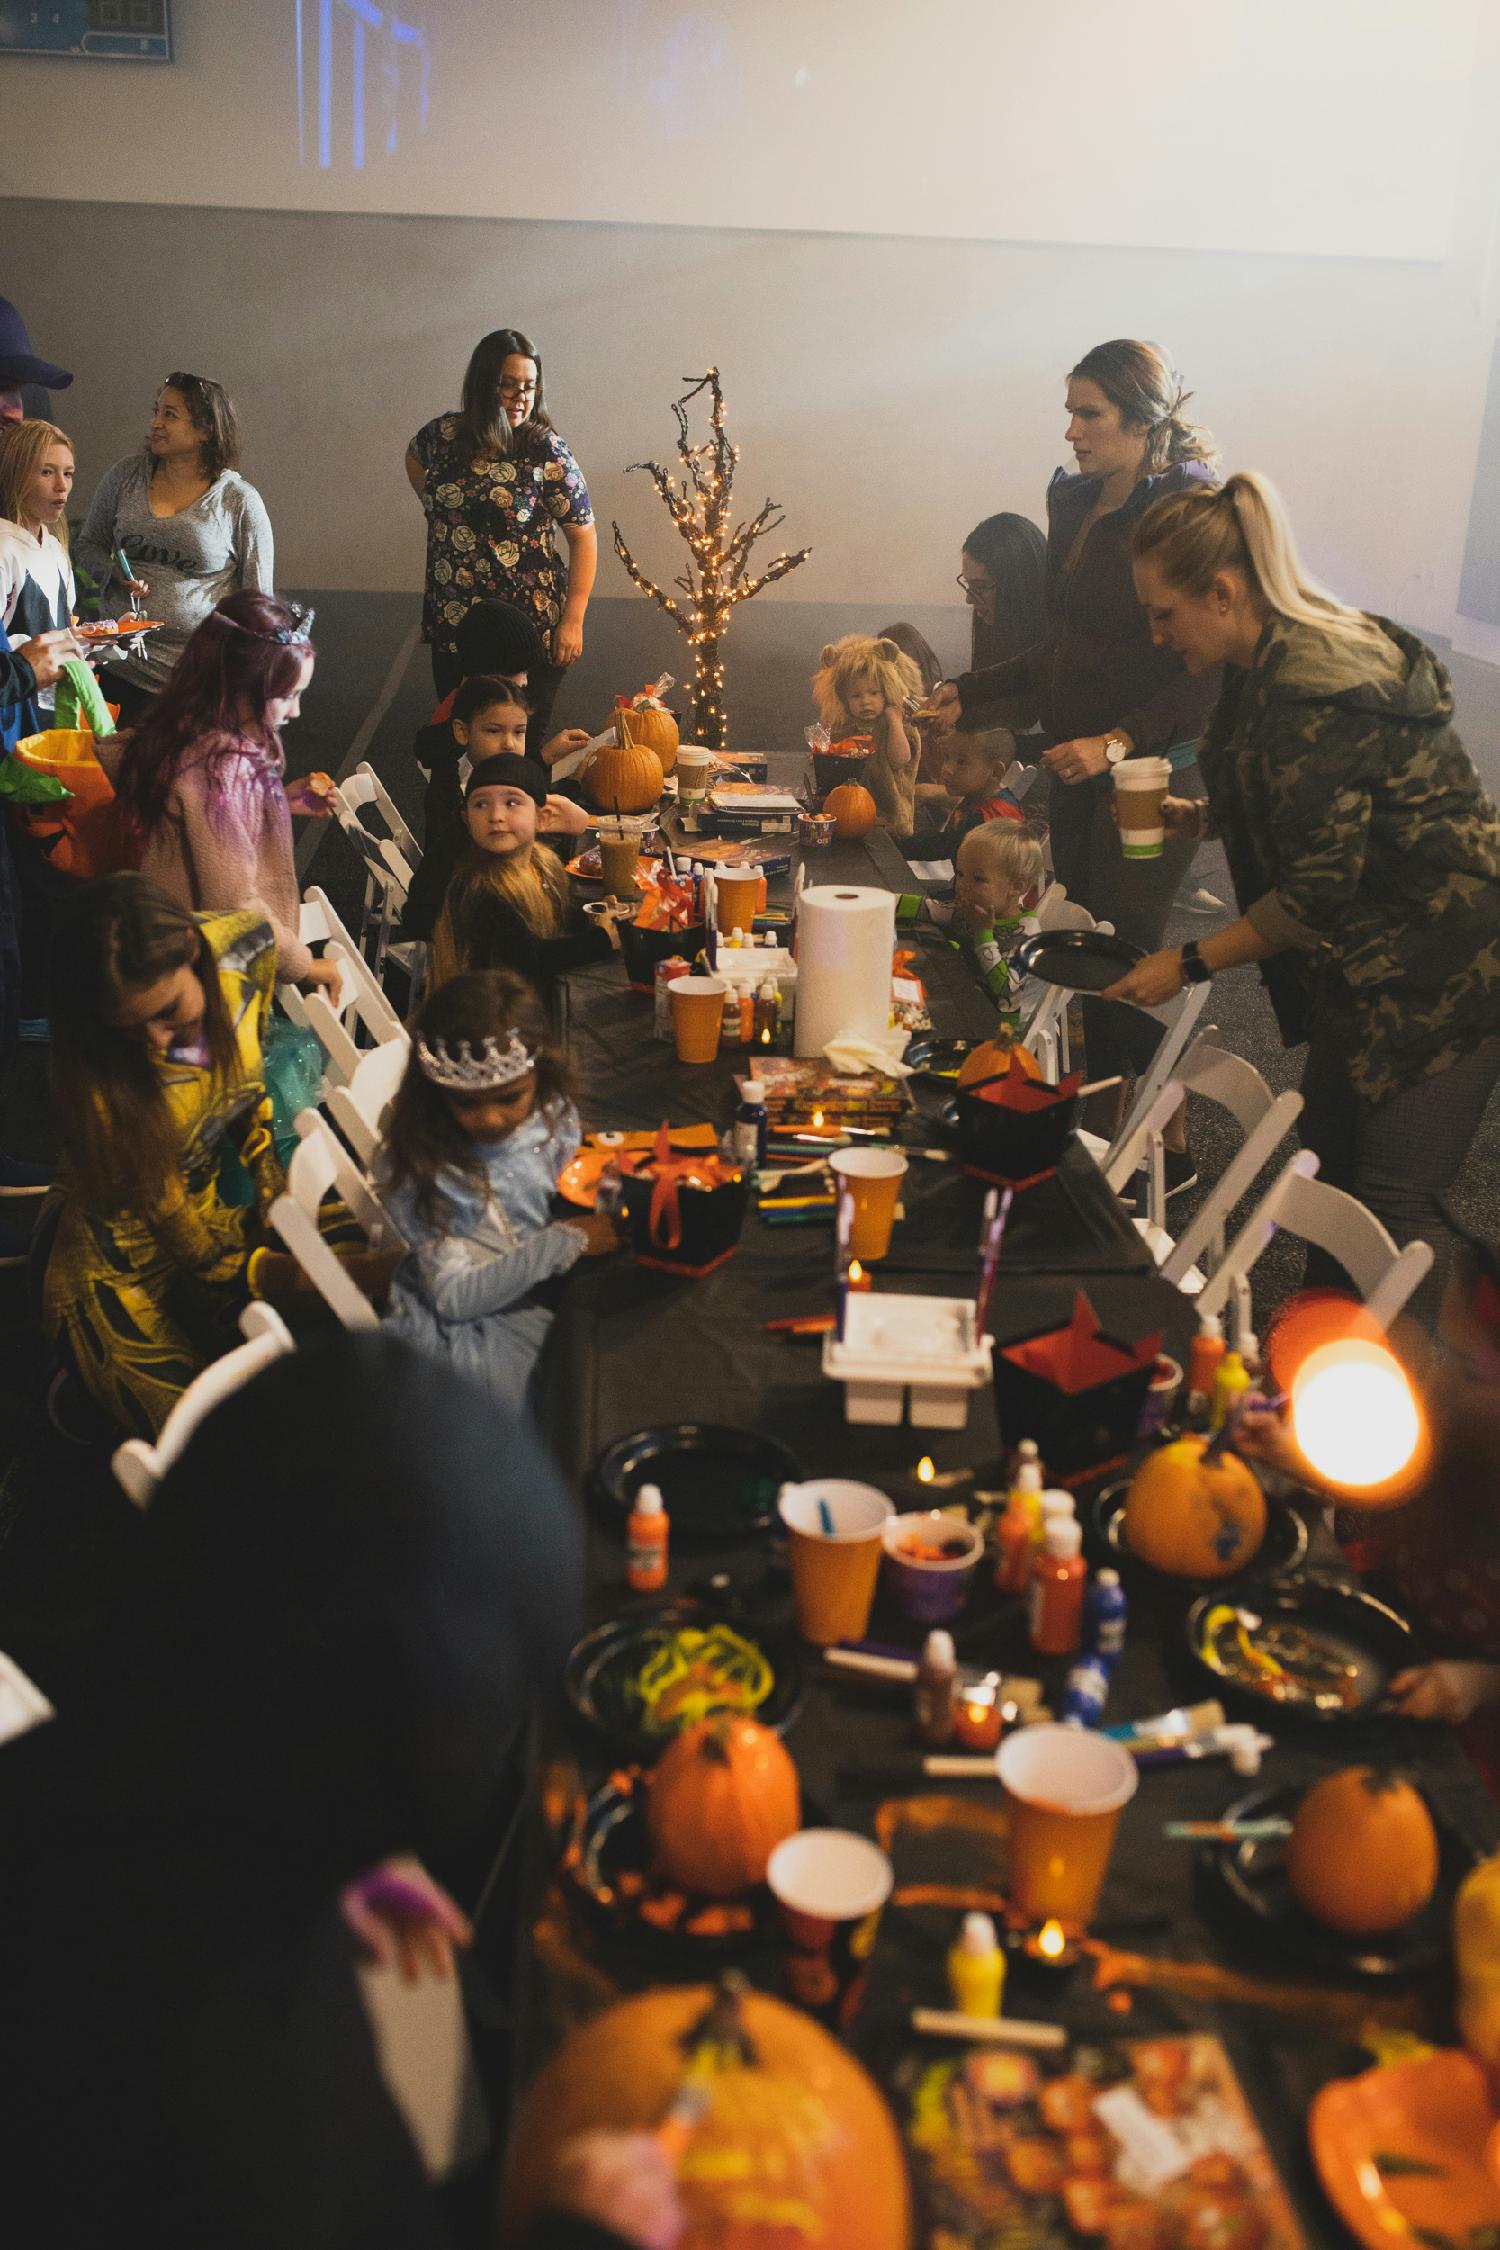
(992,1058)
(1363,1853)
(796,2148)
(852,807)
(651,727)
(724,1794)
(623,778)
(1191,1518)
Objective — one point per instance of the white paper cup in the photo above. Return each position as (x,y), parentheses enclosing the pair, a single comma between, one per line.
(1140,786)
(693,770)
(831,1887)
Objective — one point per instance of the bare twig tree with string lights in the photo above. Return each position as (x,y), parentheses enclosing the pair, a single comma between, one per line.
(699,506)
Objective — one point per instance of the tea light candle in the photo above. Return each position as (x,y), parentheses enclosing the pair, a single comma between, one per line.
(977,1715)
(1049,1950)
(858,1278)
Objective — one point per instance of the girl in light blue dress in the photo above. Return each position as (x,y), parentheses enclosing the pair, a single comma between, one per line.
(480,1131)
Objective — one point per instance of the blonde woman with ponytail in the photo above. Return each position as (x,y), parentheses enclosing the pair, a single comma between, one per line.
(1101,689)
(1364,850)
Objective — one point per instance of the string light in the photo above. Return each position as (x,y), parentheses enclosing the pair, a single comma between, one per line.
(700,511)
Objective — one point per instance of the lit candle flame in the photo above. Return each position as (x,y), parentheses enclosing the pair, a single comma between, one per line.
(856,1271)
(817,1117)
(926,1471)
(1051,1942)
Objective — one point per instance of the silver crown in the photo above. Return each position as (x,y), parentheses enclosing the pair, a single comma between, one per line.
(462,1073)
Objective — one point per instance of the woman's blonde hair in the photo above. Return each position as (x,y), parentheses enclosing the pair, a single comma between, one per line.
(22,445)
(1013,850)
(1140,380)
(860,656)
(1191,536)
(532,883)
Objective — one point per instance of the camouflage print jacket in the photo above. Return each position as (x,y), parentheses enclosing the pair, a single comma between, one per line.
(1363,846)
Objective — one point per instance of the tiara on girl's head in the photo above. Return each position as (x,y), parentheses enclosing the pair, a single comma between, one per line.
(460,1073)
(300,628)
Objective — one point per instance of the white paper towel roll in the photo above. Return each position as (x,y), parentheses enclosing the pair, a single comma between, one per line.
(845,936)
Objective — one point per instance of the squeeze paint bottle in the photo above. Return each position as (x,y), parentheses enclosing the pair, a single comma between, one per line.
(646,1533)
(1204,1355)
(1230,1385)
(1026,1487)
(1058,1578)
(976,1968)
(1013,1545)
(932,1696)
(1105,1613)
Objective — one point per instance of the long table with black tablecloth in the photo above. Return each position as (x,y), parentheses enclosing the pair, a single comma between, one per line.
(632,1349)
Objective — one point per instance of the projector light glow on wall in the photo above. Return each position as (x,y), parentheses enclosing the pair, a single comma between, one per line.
(363,58)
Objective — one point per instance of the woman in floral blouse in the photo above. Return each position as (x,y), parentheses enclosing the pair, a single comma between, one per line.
(495,480)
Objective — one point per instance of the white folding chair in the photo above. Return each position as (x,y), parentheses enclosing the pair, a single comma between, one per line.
(1179,1019)
(1298,1202)
(139,1466)
(360,1108)
(1145,1146)
(362,1004)
(1264,1118)
(390,861)
(1044,1030)
(353,1187)
(312,1174)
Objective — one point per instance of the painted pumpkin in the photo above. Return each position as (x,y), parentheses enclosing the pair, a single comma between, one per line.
(723,1795)
(797,2148)
(1362,1857)
(623,779)
(993,1057)
(852,807)
(650,727)
(1476,1958)
(1191,1518)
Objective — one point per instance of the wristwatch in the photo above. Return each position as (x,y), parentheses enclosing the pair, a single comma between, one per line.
(1115,749)
(1195,969)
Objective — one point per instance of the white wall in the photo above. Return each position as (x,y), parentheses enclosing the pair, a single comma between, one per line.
(888,391)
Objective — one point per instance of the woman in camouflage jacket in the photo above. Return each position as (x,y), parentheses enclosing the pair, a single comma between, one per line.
(1364,849)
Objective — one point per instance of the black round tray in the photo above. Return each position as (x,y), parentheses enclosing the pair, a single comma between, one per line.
(1248,1881)
(1371,1635)
(718,1482)
(1081,960)
(1282,1551)
(598,1673)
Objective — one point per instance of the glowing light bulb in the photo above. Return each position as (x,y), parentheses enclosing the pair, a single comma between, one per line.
(1354,1415)
(926,1469)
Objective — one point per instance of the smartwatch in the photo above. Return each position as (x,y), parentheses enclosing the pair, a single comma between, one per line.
(1194,968)
(1115,749)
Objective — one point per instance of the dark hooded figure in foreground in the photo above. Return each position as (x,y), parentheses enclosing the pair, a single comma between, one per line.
(353,1584)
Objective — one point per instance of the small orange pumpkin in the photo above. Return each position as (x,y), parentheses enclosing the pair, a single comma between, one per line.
(723,1795)
(797,2146)
(1191,1518)
(650,726)
(852,807)
(1363,1853)
(623,778)
(992,1058)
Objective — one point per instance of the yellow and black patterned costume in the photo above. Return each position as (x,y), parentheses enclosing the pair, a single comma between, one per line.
(140,1304)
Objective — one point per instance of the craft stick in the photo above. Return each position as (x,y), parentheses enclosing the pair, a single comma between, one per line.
(1224,1831)
(960,1769)
(995,2031)
(870,1667)
(1101,1085)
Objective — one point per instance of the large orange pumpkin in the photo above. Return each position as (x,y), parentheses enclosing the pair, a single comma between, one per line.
(723,1795)
(797,2150)
(992,1058)
(623,779)
(1191,1518)
(650,726)
(852,807)
(1363,1853)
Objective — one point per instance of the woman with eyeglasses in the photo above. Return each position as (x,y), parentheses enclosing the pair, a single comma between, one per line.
(496,483)
(172,530)
(201,779)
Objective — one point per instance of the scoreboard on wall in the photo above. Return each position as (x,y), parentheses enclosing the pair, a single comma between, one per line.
(106,30)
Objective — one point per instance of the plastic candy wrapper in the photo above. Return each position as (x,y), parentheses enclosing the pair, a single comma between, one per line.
(652,697)
(817,737)
(671,902)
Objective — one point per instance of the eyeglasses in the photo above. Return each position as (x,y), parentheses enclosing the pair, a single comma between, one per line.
(511,389)
(973,587)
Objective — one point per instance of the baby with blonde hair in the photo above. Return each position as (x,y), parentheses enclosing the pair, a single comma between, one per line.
(863,687)
(998,867)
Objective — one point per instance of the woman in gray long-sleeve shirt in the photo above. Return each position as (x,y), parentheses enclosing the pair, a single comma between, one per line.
(188,524)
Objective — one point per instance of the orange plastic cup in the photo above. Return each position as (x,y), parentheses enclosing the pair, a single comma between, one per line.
(833,1572)
(697,1016)
(1067,1789)
(736,898)
(873,1176)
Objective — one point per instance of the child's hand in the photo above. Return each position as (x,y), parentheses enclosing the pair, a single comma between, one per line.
(312,795)
(559,816)
(622,2182)
(943,709)
(602,1233)
(563,744)
(324,976)
(404,1920)
(1448,1691)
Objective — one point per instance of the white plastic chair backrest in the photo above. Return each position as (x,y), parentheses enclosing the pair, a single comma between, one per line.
(360,1108)
(385,804)
(386,865)
(318,920)
(362,1002)
(353,1187)
(138,1466)
(1179,1019)
(1298,1202)
(1144,1146)
(1018,778)
(1266,1119)
(312,1174)
(1056,911)
(1044,1007)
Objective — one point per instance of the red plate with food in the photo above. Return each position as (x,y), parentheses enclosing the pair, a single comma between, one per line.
(117,628)
(587,869)
(578,1182)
